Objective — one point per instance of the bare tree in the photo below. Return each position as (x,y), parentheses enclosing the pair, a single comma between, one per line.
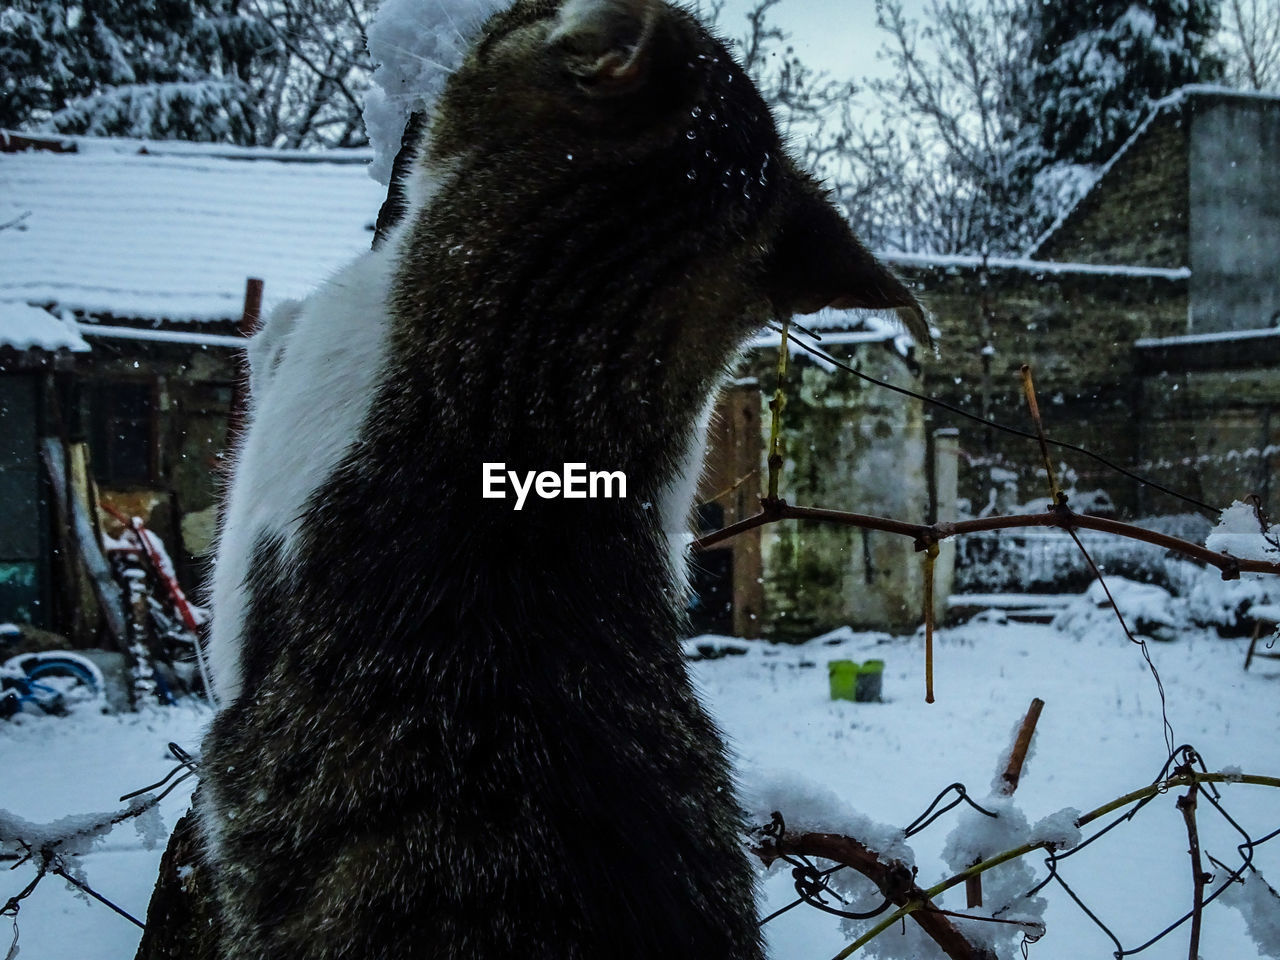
(951,94)
(1249,43)
(808,104)
(313,95)
(929,158)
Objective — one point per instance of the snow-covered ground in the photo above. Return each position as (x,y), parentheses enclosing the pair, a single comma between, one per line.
(1100,736)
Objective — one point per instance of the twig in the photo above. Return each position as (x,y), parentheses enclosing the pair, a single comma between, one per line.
(773,510)
(1152,790)
(1009,781)
(1187,804)
(892,878)
(1029,391)
(775,406)
(16,220)
(930,559)
(731,488)
(918,903)
(1021,744)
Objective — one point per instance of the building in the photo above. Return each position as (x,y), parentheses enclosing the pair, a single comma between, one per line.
(123,272)
(1151,316)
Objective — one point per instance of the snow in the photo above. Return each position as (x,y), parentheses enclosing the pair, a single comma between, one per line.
(977,837)
(1027,265)
(1240,533)
(25,327)
(811,807)
(773,340)
(162,336)
(1260,907)
(1007,601)
(173,232)
(1222,336)
(135,146)
(1059,829)
(835,764)
(1098,738)
(208,107)
(415,46)
(20,664)
(1145,606)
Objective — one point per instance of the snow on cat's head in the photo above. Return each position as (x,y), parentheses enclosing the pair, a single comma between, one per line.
(415,45)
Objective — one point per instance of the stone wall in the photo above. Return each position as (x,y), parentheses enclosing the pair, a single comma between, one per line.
(1138,212)
(847,446)
(1077,331)
(1211,420)
(1235,213)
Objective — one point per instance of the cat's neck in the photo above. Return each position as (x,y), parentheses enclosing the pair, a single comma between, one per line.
(590,318)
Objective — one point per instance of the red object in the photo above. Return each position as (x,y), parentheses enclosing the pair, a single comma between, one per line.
(176,596)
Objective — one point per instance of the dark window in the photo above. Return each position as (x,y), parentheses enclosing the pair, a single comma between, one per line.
(121,434)
(23,551)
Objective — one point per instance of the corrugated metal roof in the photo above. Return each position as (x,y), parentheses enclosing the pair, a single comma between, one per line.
(172,233)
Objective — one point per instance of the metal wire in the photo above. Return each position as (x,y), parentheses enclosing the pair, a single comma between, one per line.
(50,861)
(962,796)
(995,425)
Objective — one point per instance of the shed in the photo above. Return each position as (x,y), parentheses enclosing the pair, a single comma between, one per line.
(123,268)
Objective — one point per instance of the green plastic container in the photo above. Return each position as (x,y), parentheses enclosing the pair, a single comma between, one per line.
(843,675)
(869,686)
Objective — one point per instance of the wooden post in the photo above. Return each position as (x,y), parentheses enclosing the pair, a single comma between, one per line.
(1009,782)
(73,516)
(250,320)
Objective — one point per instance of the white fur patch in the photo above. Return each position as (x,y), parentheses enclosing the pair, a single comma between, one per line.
(314,370)
(677,498)
(266,349)
(317,377)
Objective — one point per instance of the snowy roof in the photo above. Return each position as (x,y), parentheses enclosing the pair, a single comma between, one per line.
(160,230)
(1220,336)
(963,262)
(1176,100)
(23,327)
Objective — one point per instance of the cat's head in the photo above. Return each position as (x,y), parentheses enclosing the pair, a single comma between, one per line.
(640,85)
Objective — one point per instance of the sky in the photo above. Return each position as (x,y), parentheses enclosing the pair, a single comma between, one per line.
(839,36)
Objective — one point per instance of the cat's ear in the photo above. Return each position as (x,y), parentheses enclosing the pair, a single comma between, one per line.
(607,43)
(817,262)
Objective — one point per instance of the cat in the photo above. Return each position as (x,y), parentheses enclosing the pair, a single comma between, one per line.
(449,729)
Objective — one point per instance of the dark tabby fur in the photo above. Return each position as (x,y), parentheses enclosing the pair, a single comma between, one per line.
(467,732)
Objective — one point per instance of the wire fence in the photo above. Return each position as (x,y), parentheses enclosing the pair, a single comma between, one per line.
(895,882)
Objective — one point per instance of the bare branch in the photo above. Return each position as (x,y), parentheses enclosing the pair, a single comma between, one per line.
(924,534)
(894,880)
